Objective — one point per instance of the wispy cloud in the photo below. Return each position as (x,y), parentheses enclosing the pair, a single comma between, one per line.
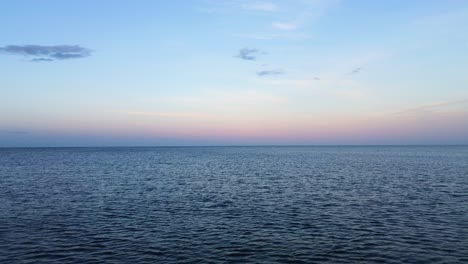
(39,53)
(248,54)
(41,59)
(261,6)
(270,72)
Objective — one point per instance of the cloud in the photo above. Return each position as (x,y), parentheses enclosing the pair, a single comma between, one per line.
(284,26)
(41,59)
(261,6)
(41,53)
(248,54)
(356,71)
(270,73)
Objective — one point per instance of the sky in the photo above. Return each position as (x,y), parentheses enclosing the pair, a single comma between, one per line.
(213,72)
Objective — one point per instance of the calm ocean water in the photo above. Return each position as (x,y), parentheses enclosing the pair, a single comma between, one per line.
(234,204)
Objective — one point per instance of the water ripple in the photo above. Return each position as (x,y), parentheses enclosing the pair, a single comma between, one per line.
(249,204)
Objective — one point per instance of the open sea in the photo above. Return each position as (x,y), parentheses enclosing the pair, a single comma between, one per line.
(388,204)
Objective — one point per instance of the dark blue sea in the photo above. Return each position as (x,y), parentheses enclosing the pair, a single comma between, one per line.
(234,205)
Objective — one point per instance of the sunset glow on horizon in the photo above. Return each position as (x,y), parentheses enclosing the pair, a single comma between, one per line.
(202,72)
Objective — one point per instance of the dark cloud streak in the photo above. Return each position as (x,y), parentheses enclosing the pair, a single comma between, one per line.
(248,54)
(270,73)
(47,53)
(41,59)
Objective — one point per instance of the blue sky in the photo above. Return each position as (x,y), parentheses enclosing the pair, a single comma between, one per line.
(83,73)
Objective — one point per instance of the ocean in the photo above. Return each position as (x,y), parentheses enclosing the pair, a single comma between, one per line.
(343,204)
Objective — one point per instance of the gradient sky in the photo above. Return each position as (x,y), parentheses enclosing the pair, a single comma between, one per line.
(211,72)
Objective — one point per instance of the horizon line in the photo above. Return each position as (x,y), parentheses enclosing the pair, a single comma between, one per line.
(267,145)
